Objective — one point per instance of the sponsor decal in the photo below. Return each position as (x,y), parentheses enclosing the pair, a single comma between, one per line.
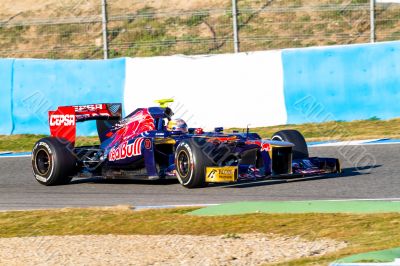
(82,117)
(221,139)
(263,145)
(199,131)
(63,123)
(89,107)
(126,150)
(212,174)
(221,174)
(65,120)
(84,112)
(147,144)
(226,172)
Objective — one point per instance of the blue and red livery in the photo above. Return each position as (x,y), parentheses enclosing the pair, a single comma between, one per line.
(139,146)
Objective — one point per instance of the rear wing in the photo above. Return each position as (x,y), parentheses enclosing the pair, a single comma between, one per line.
(63,120)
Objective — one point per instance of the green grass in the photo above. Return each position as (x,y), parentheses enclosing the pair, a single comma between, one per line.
(381,256)
(315,206)
(363,233)
(335,130)
(339,130)
(21,143)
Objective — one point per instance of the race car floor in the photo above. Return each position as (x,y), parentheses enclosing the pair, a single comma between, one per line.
(370,172)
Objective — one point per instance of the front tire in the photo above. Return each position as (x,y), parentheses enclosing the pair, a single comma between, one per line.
(53,163)
(300,150)
(190,164)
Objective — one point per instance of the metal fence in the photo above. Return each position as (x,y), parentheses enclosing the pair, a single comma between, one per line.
(97,29)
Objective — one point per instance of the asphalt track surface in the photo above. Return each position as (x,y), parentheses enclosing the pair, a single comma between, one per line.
(369,172)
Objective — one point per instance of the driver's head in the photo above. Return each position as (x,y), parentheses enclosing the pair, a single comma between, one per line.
(177,125)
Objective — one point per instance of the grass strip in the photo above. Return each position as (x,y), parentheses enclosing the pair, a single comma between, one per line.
(317,206)
(334,130)
(339,130)
(381,256)
(362,232)
(23,143)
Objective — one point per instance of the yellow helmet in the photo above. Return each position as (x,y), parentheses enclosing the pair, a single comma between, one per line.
(177,125)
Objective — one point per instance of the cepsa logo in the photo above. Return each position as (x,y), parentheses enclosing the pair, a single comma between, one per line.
(89,107)
(126,150)
(65,120)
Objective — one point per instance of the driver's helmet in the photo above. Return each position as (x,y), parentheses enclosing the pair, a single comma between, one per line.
(177,125)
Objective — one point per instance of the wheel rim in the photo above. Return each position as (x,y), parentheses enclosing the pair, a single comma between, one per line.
(42,162)
(183,164)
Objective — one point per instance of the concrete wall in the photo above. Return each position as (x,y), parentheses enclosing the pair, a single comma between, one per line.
(342,82)
(231,90)
(6,74)
(35,86)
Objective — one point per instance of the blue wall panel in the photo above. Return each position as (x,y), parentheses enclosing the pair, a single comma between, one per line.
(6,75)
(342,82)
(42,85)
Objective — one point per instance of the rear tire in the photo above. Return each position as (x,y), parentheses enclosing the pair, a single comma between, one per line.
(300,150)
(53,162)
(190,164)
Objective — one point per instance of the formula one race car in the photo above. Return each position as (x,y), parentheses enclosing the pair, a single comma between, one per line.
(148,144)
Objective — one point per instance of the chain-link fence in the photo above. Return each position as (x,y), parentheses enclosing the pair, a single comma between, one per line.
(74,28)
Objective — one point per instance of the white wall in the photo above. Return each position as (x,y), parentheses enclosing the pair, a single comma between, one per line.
(230,90)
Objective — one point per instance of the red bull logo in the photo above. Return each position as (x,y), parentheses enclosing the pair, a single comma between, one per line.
(126,150)
(265,146)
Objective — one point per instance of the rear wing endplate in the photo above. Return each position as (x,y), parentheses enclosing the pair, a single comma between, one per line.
(63,121)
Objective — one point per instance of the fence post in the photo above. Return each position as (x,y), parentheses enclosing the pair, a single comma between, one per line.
(104,22)
(235,26)
(372,19)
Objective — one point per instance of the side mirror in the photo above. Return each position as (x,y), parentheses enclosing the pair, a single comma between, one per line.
(218,129)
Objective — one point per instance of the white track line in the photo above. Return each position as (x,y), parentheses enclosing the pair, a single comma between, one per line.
(396,262)
(215,204)
(171,206)
(377,199)
(174,206)
(15,156)
(349,143)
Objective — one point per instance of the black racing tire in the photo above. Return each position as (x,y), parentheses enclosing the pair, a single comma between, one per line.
(190,164)
(300,150)
(53,162)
